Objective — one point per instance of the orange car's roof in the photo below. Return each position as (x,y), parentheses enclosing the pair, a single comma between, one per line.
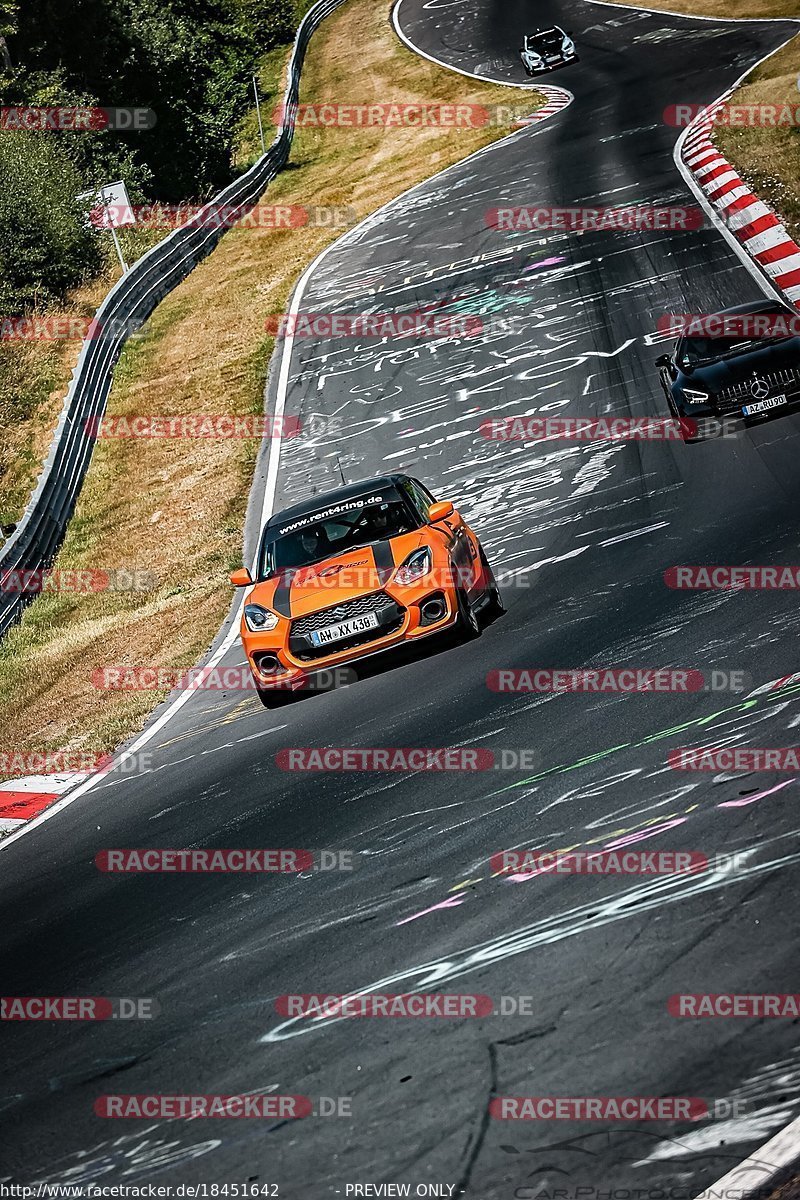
(323,500)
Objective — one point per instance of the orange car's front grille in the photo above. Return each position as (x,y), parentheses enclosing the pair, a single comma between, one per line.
(390,618)
(373,603)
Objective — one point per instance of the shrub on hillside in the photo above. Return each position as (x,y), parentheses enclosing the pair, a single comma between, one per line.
(45,247)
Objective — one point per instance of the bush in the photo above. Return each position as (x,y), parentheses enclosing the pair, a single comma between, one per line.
(45,248)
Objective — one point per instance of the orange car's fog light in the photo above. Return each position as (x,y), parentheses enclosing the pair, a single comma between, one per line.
(268,664)
(433,609)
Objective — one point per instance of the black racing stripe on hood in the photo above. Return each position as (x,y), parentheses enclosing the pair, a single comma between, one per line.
(384,560)
(282,600)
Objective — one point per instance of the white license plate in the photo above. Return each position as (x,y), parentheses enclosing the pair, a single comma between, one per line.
(345,629)
(763,405)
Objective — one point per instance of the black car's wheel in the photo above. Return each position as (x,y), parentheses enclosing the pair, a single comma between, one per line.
(691,431)
(494,606)
(687,425)
(467,624)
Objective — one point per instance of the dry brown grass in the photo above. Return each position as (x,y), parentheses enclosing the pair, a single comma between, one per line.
(725,8)
(176,507)
(33,379)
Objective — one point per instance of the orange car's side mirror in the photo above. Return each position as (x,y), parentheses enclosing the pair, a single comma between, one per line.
(440,511)
(241,578)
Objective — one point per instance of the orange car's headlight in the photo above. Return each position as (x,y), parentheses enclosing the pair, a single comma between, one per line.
(259,619)
(416,567)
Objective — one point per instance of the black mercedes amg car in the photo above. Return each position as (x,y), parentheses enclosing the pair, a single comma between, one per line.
(748,378)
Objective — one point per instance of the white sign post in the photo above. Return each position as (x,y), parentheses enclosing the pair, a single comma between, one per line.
(258,113)
(110,208)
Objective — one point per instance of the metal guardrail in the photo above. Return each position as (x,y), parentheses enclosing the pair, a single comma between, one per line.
(34,543)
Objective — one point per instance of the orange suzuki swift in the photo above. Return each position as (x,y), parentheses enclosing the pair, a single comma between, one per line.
(357,571)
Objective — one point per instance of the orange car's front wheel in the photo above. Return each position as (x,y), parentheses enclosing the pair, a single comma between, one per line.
(495,606)
(467,625)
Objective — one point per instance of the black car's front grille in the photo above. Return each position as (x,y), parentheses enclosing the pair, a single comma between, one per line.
(373,603)
(733,397)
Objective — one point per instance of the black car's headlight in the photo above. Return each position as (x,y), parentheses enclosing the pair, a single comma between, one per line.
(568,46)
(416,567)
(258,619)
(695,397)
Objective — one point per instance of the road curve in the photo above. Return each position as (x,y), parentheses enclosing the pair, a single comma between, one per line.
(588,531)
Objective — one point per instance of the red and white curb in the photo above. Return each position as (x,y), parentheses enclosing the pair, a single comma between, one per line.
(557,98)
(753,1176)
(23,799)
(753,224)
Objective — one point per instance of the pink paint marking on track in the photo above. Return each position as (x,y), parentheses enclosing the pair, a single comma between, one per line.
(546,262)
(643,834)
(757,796)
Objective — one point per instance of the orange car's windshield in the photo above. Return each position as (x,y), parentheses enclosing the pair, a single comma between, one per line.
(321,535)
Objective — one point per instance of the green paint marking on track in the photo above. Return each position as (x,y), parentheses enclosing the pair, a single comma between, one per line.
(743,706)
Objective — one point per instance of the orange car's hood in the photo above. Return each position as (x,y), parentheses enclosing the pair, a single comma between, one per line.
(304,590)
